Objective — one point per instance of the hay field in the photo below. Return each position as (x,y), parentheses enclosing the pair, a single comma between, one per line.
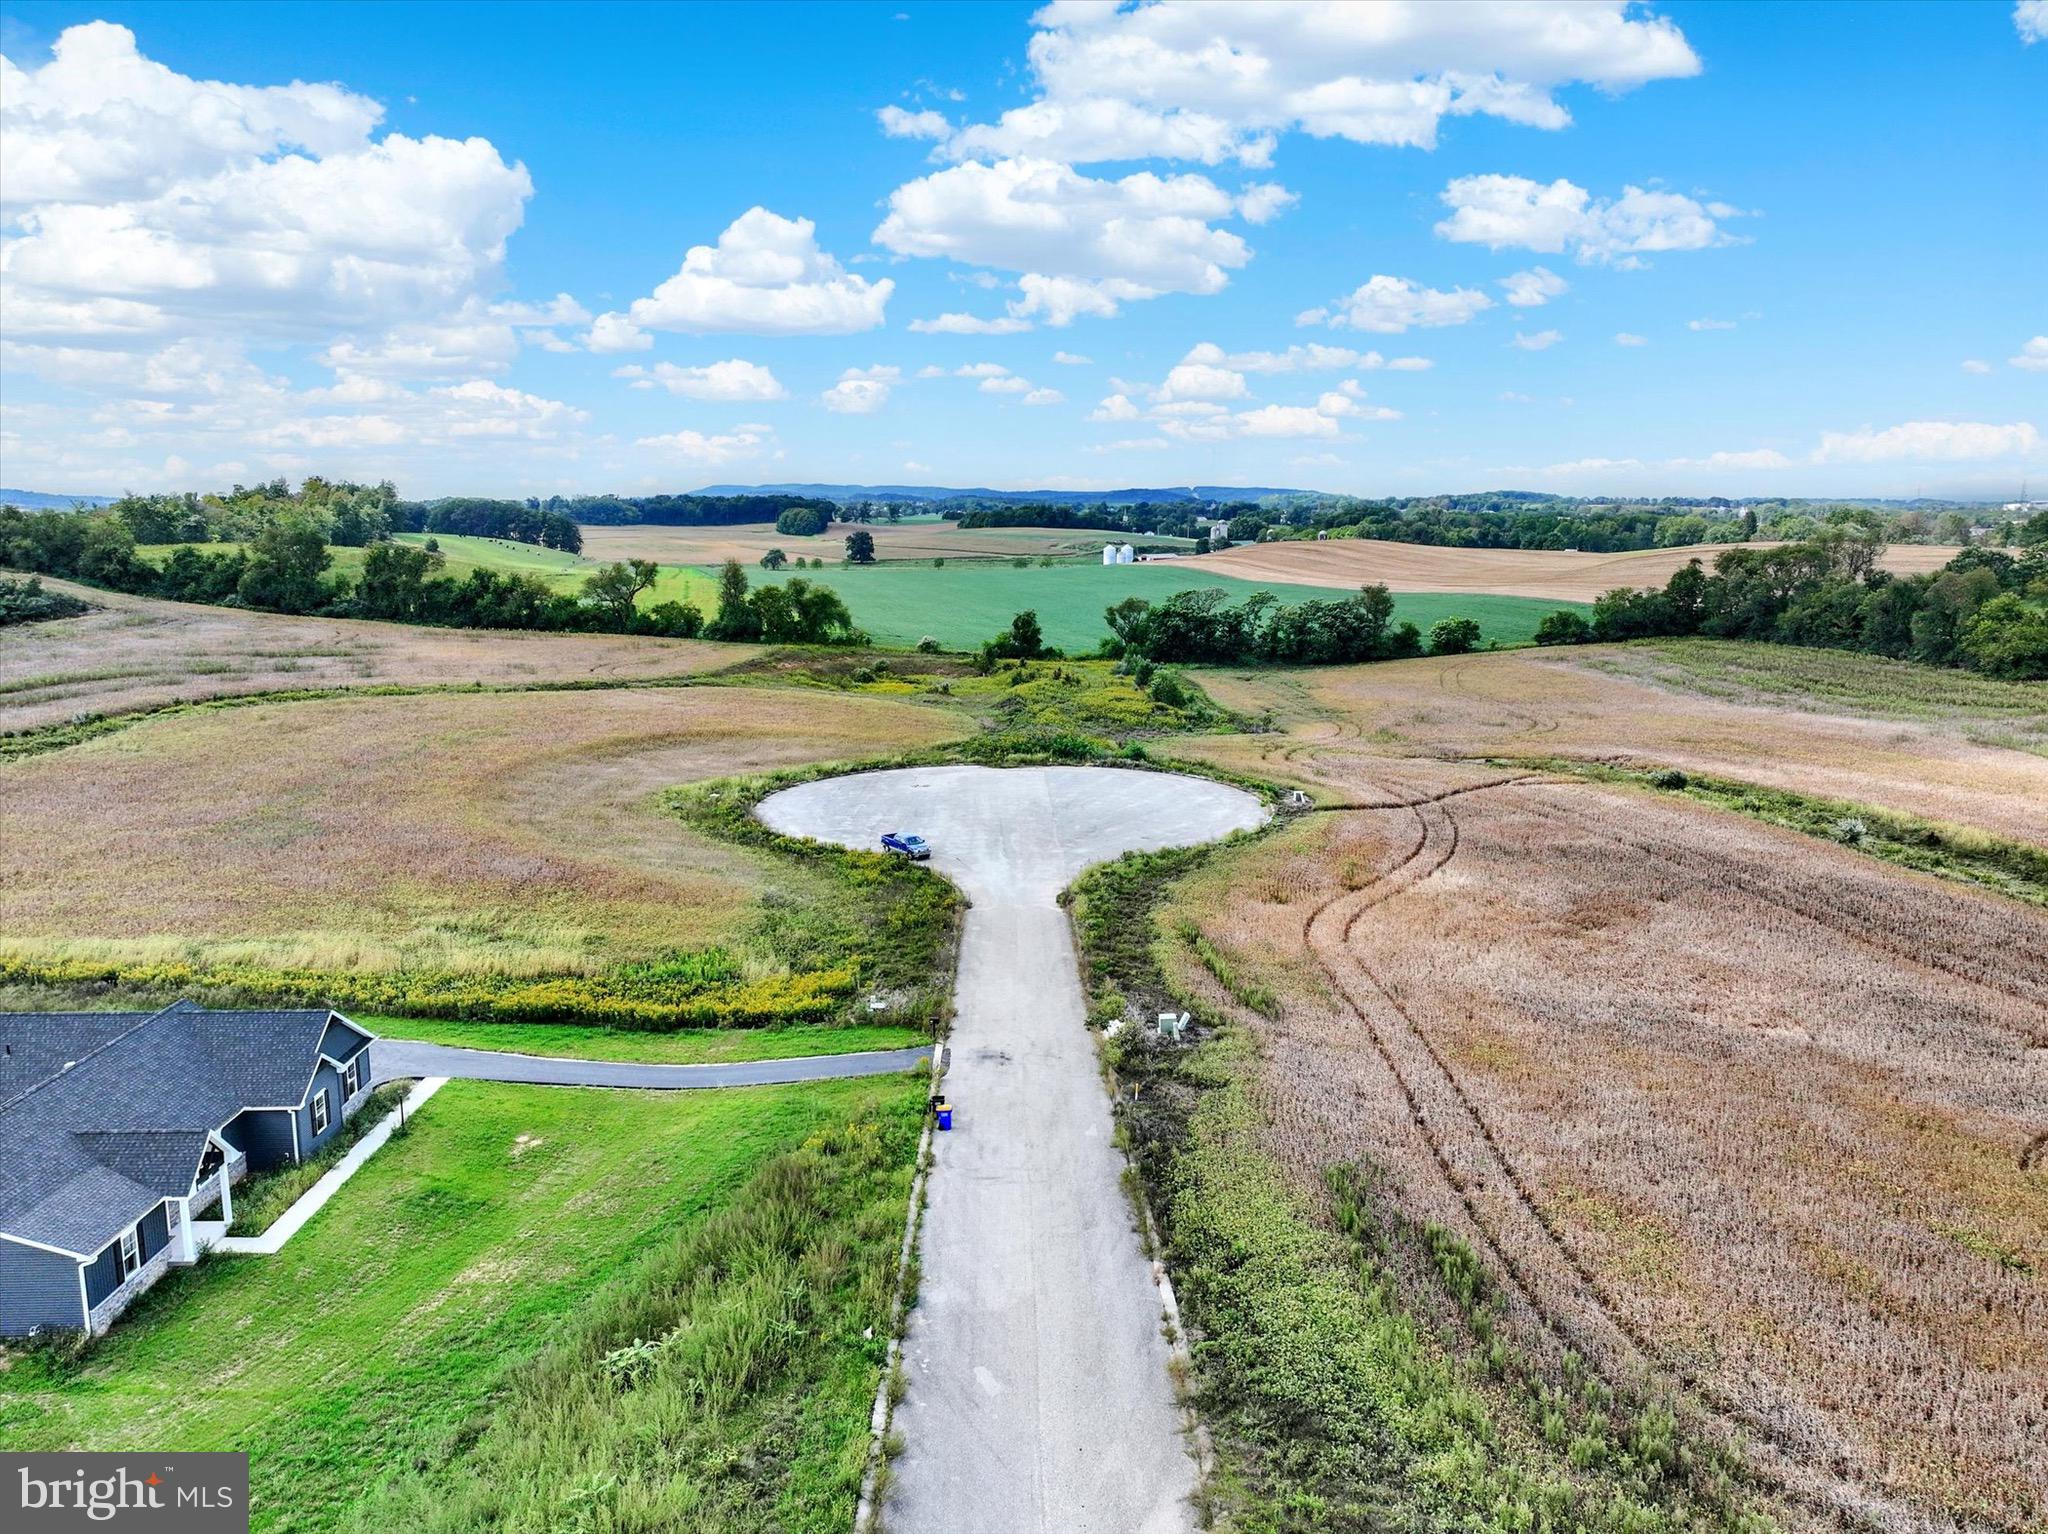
(1739,1116)
(139,653)
(910,540)
(508,833)
(1909,738)
(1547,573)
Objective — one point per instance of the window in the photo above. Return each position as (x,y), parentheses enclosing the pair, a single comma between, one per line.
(131,1254)
(351,1077)
(320,1112)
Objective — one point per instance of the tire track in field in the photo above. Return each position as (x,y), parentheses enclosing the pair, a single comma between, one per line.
(1452,680)
(1471,1159)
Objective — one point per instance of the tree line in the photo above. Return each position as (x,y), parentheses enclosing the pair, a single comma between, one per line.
(1986,609)
(478,517)
(349,515)
(1194,627)
(287,568)
(679,510)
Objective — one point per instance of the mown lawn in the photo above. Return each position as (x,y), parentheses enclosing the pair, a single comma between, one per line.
(685,1046)
(372,1346)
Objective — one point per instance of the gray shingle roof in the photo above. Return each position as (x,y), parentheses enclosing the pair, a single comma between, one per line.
(116,1113)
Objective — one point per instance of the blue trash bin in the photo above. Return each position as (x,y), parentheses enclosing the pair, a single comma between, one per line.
(945,1114)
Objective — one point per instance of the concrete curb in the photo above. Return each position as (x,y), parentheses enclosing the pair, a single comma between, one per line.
(310,1203)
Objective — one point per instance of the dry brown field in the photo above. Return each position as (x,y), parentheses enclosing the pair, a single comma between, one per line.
(508,832)
(914,540)
(1871,738)
(1742,1117)
(1542,573)
(139,653)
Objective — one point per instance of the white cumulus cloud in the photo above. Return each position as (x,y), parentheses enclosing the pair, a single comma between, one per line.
(970,325)
(2033,357)
(741,443)
(1503,212)
(1533,288)
(1541,341)
(898,123)
(611,333)
(768,276)
(2030,20)
(730,380)
(861,391)
(1390,305)
(1215,82)
(1081,245)
(147,205)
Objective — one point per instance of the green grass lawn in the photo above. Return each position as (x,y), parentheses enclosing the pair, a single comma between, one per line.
(263,1196)
(962,604)
(686,1046)
(373,1348)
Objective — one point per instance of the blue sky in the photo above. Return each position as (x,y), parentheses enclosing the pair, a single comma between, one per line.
(515,249)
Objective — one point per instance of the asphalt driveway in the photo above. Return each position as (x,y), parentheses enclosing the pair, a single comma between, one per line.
(396,1058)
(1039,1398)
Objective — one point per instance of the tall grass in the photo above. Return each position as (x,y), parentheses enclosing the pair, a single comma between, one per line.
(721,1385)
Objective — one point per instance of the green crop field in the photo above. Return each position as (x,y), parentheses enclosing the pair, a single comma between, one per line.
(375,1357)
(961,605)
(963,601)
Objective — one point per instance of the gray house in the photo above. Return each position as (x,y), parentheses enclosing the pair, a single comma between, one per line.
(119,1129)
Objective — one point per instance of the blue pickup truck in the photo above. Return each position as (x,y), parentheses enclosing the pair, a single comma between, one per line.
(904,844)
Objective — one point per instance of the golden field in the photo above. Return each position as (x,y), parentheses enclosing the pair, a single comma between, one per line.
(1546,573)
(140,653)
(906,541)
(1753,1121)
(1938,744)
(506,832)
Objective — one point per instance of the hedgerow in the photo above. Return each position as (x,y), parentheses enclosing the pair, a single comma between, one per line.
(635,997)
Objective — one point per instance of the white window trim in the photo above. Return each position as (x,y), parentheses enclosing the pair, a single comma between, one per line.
(351,1078)
(129,1261)
(320,1112)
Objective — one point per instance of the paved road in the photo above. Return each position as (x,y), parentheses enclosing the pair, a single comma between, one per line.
(394,1058)
(1039,1398)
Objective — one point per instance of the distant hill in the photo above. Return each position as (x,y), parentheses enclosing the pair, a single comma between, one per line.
(1013,497)
(44,500)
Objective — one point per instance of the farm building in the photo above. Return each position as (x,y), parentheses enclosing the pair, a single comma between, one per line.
(118,1130)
